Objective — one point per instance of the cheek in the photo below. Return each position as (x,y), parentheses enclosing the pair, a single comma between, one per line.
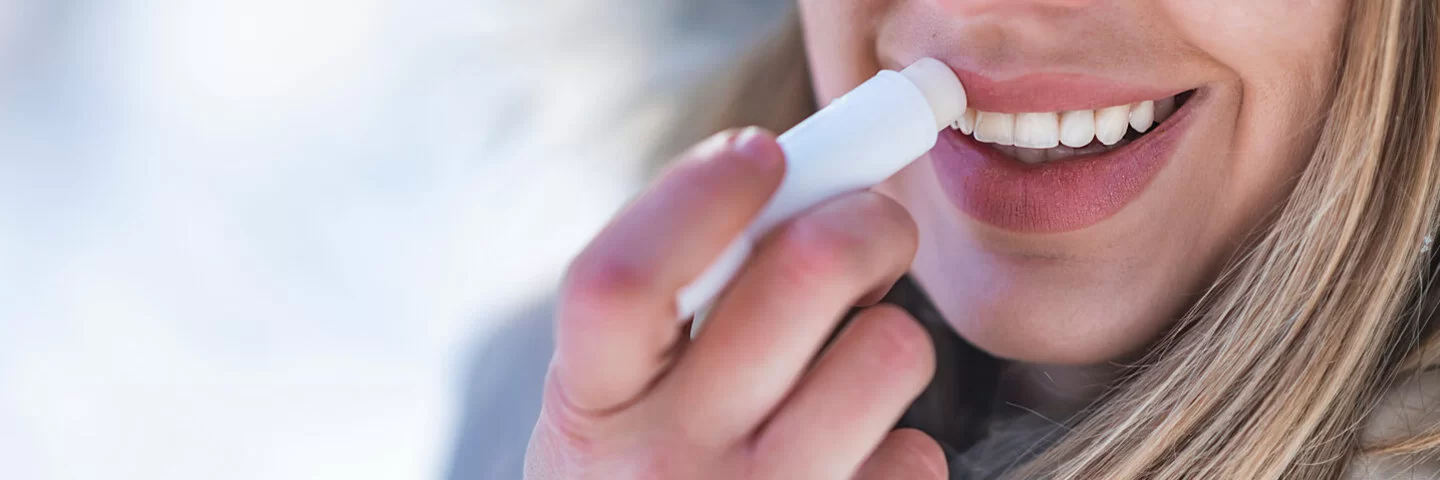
(1281,54)
(978,7)
(840,43)
(1280,49)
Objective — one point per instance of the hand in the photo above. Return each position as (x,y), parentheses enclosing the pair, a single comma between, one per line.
(630,396)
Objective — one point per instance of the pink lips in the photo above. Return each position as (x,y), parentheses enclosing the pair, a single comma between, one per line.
(1057,196)
(1053,92)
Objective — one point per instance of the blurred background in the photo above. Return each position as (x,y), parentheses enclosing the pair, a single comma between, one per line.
(273,238)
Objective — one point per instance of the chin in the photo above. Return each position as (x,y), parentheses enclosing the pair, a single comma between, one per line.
(1019,334)
(1046,309)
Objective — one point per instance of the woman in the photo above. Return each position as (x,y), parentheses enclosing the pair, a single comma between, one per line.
(1234,289)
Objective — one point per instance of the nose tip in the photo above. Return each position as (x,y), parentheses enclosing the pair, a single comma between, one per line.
(978,7)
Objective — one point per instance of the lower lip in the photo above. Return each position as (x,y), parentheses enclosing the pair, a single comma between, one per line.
(1058,196)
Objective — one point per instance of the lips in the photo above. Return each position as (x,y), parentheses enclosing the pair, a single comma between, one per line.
(1049,92)
(991,185)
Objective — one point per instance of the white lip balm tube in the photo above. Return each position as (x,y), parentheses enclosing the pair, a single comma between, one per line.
(859,140)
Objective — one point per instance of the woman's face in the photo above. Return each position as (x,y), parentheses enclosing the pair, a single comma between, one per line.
(1088,257)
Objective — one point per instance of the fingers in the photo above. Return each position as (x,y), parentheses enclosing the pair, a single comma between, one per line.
(615,320)
(774,319)
(854,395)
(908,454)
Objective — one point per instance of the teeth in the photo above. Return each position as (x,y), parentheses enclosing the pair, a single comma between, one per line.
(1053,154)
(1142,115)
(996,128)
(1077,128)
(966,124)
(1163,108)
(1030,155)
(1037,130)
(1111,123)
(1048,136)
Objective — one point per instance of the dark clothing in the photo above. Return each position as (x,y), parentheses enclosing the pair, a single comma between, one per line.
(963,408)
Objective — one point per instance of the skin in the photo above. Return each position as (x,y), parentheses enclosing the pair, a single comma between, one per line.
(629,396)
(1102,292)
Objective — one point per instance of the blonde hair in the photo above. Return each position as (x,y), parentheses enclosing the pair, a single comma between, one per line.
(1274,369)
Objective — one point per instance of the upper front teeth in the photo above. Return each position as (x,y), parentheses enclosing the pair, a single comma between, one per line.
(1037,130)
(1077,128)
(1111,124)
(996,128)
(1073,129)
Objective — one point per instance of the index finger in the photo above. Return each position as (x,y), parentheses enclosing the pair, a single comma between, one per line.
(616,322)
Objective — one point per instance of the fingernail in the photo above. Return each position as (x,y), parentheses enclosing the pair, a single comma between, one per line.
(756,145)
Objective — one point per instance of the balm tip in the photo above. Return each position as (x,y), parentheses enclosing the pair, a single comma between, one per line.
(942,89)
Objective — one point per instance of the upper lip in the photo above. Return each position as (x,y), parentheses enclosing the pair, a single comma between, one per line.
(1042,91)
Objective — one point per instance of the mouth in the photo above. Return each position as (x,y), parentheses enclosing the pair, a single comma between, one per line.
(1035,138)
(1042,171)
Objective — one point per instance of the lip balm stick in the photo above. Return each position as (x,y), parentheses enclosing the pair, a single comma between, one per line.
(857,141)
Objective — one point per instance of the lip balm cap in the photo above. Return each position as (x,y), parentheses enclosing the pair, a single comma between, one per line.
(942,90)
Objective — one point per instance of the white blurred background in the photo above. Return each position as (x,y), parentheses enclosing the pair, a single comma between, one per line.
(258,238)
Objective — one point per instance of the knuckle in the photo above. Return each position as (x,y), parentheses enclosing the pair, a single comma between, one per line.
(566,425)
(862,234)
(583,441)
(604,282)
(817,246)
